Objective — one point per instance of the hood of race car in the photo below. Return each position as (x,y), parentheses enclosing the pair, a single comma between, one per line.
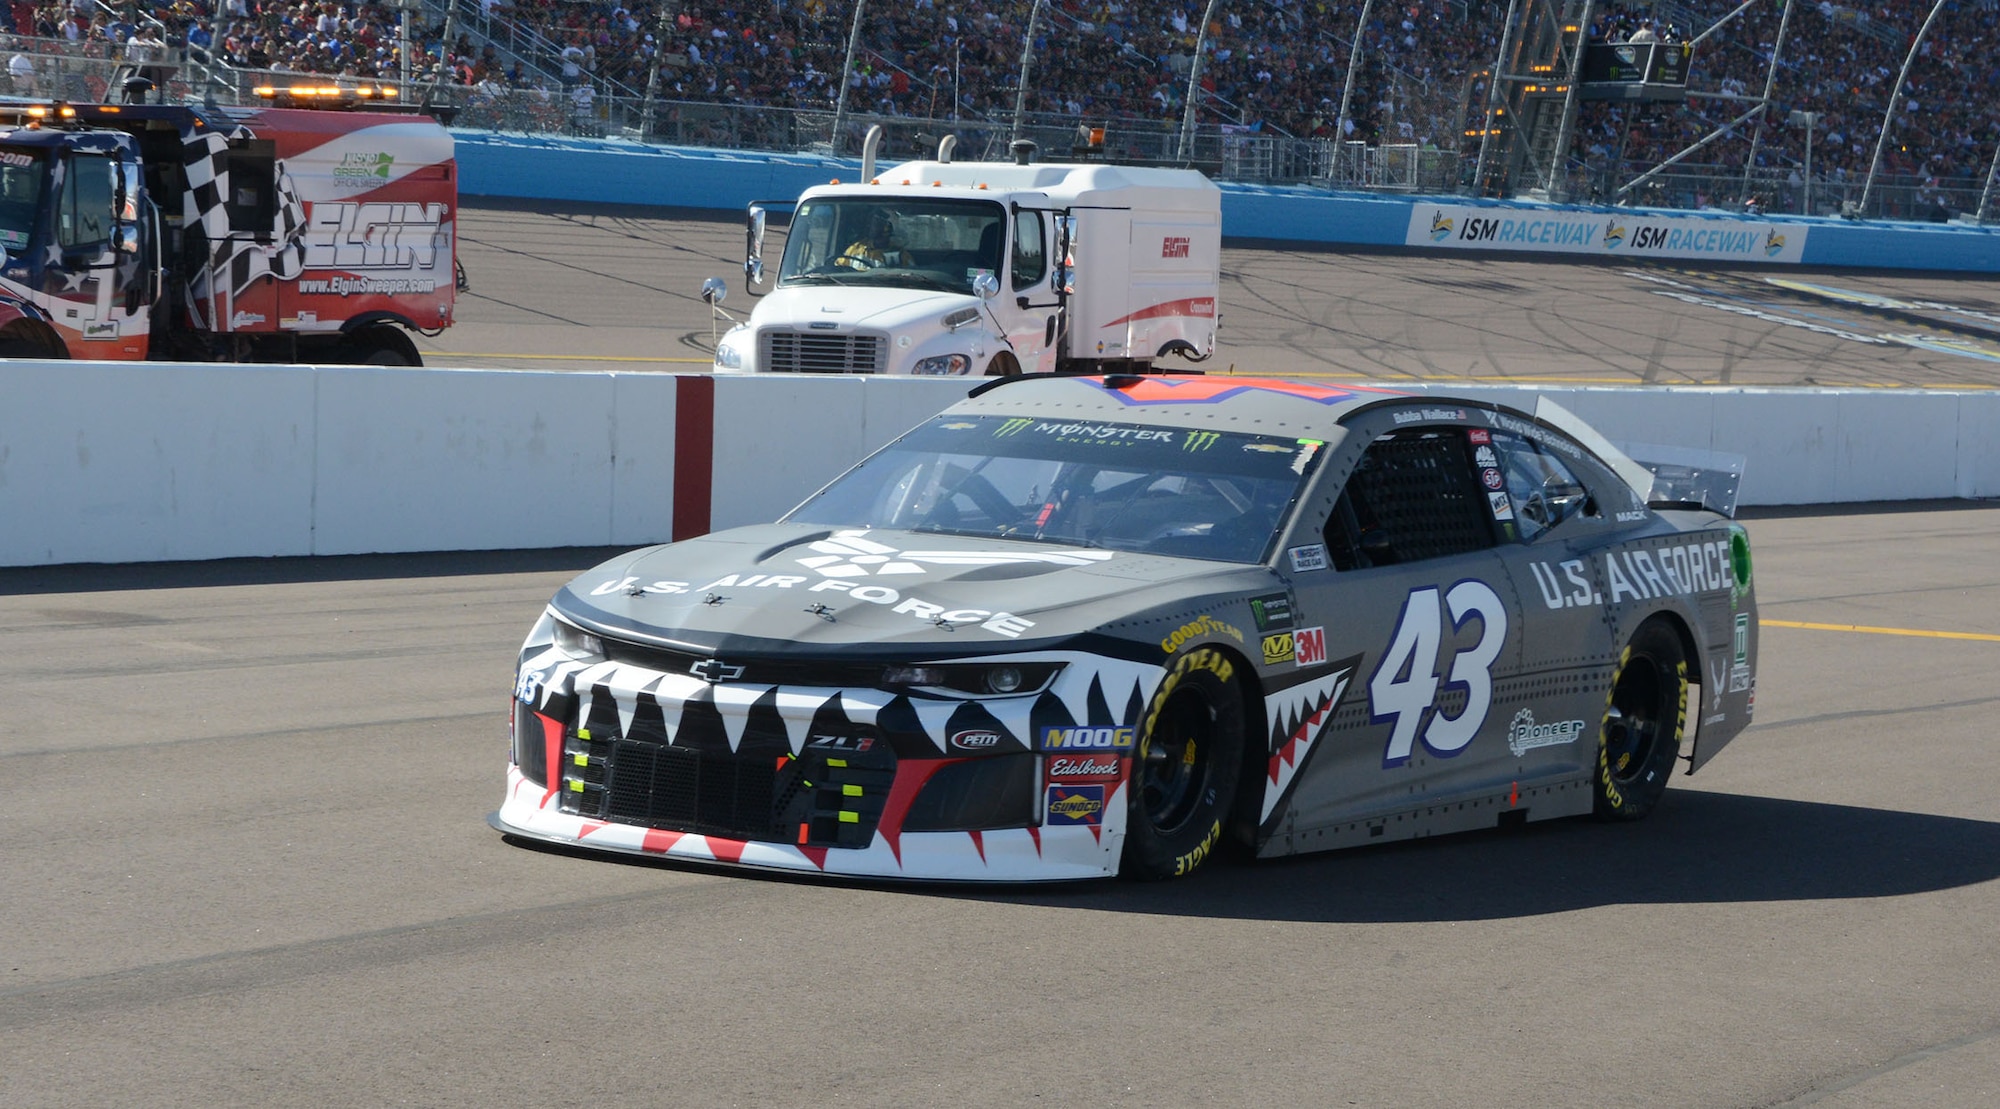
(798,589)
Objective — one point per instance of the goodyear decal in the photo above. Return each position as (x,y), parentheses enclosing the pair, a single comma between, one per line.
(1201,628)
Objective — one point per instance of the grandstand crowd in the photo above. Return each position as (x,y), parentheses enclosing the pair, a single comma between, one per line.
(1273,66)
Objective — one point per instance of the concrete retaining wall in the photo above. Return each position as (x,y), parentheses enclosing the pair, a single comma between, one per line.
(113,462)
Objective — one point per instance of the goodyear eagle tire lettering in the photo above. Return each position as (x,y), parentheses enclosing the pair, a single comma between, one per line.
(1645,717)
(1186,762)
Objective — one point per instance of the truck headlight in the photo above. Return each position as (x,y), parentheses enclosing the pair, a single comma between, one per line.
(728,357)
(942,365)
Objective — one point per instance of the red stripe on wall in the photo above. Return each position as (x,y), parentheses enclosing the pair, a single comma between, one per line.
(694,453)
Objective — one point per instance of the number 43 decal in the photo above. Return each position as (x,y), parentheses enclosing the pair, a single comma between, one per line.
(1405,686)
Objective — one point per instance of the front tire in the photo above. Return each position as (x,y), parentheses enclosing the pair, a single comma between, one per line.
(1645,717)
(1184,770)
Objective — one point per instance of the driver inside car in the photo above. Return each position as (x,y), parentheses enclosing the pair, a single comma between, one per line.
(877,246)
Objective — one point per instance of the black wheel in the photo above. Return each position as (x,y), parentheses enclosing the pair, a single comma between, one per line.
(1185,766)
(25,348)
(1644,719)
(380,346)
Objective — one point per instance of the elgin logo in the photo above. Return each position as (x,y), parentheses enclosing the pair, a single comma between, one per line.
(377,236)
(1175,246)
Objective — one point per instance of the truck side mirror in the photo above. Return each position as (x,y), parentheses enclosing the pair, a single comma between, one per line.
(986,286)
(126,241)
(753,246)
(714,290)
(1065,257)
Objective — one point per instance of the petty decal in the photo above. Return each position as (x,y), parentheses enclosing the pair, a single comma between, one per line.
(1403,692)
(1075,805)
(999,623)
(975,740)
(1087,738)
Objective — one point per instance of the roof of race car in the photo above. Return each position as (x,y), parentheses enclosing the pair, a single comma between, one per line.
(1248,404)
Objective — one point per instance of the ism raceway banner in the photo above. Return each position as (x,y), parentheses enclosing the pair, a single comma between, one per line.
(1603,234)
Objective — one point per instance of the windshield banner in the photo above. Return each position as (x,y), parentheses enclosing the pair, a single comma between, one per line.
(1617,234)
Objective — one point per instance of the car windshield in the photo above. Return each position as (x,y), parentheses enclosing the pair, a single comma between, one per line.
(21,177)
(1183,492)
(904,242)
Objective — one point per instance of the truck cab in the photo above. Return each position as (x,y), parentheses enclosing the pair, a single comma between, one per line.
(946,269)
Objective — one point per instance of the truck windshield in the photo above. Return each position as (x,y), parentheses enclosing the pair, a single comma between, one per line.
(21,175)
(1182,492)
(895,241)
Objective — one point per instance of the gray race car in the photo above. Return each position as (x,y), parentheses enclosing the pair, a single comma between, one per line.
(1077,627)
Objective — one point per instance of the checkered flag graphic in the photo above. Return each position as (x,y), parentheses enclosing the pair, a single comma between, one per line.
(280,253)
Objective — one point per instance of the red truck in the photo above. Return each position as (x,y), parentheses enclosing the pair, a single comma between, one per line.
(321,231)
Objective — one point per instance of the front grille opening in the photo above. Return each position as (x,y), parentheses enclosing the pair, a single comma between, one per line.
(805,352)
(976,794)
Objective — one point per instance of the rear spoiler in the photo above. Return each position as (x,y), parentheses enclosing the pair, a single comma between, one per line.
(1660,475)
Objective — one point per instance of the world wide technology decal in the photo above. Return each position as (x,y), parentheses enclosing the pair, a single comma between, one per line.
(1602,234)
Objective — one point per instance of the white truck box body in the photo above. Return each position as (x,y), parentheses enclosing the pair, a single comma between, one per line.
(1147,266)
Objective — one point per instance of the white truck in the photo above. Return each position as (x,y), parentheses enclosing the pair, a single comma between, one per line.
(968,268)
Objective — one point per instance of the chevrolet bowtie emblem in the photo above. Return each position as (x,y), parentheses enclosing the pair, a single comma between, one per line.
(712,670)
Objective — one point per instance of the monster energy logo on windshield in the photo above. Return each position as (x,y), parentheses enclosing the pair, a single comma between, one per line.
(1200,440)
(1015,426)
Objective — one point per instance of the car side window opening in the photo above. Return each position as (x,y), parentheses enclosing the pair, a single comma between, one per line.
(1544,489)
(1030,260)
(1414,495)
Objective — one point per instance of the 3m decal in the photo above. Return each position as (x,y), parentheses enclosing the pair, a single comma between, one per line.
(1087,738)
(1312,556)
(1278,649)
(1198,629)
(1075,804)
(1404,689)
(1524,735)
(1309,646)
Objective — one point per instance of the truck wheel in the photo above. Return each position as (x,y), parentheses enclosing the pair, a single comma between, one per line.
(380,346)
(1645,716)
(1003,365)
(1185,766)
(25,348)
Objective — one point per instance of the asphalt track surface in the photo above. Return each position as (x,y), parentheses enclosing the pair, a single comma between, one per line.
(619,289)
(246,863)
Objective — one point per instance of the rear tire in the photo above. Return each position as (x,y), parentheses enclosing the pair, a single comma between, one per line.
(1184,769)
(1003,365)
(1645,716)
(380,345)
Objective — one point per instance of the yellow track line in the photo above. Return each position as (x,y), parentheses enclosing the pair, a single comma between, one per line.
(1982,636)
